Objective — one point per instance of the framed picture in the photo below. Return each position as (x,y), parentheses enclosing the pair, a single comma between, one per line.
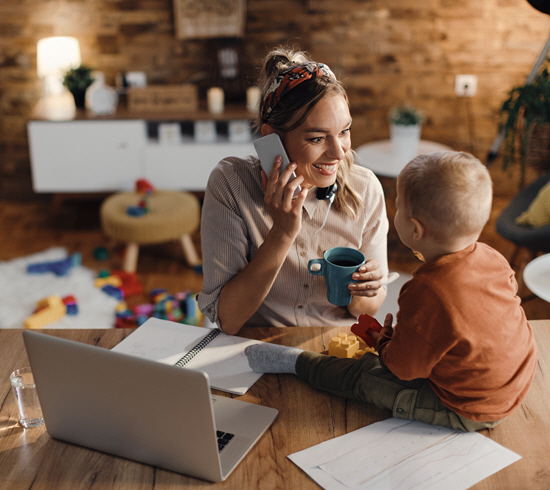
(196,19)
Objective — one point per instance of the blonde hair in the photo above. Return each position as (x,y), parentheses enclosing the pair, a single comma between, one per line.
(294,108)
(449,192)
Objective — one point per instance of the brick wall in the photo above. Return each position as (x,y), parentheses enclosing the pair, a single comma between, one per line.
(386,51)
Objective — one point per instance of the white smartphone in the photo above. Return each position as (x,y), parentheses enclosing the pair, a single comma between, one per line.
(268,148)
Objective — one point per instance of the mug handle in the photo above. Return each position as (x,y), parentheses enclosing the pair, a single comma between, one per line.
(316,272)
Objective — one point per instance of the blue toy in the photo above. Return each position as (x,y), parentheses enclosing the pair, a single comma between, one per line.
(58,267)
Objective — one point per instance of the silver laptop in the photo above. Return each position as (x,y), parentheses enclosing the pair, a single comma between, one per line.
(142,410)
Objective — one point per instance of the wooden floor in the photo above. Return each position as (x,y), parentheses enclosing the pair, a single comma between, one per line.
(31,227)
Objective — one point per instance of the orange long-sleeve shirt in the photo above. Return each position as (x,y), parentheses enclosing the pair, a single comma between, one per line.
(461,326)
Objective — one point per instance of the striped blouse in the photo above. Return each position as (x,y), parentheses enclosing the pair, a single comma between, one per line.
(235,221)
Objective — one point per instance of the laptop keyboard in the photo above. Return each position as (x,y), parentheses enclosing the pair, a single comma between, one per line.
(223,439)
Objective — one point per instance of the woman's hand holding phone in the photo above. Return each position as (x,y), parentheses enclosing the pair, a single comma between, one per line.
(284,208)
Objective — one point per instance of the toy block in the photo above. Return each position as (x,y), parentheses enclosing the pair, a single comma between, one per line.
(58,267)
(127,314)
(365,324)
(136,211)
(141,319)
(144,186)
(130,283)
(122,322)
(343,346)
(121,306)
(145,309)
(71,308)
(113,291)
(49,310)
(112,280)
(101,253)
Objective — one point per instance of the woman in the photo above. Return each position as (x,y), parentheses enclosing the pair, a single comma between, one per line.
(257,237)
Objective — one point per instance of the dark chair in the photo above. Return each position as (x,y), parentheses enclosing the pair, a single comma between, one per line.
(534,240)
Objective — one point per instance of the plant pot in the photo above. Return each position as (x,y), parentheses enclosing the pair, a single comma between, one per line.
(404,142)
(79,99)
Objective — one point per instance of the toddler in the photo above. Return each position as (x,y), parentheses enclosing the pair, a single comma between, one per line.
(461,354)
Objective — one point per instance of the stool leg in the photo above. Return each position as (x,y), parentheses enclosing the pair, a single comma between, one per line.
(189,250)
(131,257)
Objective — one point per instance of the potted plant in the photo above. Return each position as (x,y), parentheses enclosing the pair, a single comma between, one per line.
(525,123)
(405,128)
(77,80)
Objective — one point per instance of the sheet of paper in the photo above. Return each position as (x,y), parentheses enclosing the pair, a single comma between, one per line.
(401,454)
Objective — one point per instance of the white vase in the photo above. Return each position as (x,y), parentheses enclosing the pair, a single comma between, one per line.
(404,142)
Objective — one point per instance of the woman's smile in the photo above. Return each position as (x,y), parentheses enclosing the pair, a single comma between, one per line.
(320,143)
(326,169)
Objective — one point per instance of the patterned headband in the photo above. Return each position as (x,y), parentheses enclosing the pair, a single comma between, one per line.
(287,80)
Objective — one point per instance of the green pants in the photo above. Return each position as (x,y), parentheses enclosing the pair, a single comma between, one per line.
(368,381)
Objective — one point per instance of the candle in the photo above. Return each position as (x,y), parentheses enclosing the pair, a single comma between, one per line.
(214,100)
(253,99)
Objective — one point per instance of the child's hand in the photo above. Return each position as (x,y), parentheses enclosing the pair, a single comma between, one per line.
(367,327)
(388,322)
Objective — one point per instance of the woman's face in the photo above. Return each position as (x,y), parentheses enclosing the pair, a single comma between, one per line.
(320,143)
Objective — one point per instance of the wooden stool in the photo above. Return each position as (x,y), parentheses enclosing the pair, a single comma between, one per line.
(172,216)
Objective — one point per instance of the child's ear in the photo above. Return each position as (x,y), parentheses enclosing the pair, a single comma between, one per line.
(419,230)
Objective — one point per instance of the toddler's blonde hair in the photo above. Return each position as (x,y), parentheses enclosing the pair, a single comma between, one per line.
(449,192)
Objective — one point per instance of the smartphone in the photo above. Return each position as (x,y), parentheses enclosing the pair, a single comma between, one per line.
(268,148)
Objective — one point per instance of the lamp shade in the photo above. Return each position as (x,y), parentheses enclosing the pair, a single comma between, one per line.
(57,55)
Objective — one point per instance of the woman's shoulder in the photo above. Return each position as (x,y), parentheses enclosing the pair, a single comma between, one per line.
(238,165)
(362,173)
(364,181)
(232,169)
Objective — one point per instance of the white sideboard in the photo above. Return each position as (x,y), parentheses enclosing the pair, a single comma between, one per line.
(88,153)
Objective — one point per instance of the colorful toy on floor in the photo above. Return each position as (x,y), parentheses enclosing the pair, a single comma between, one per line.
(51,309)
(112,280)
(71,306)
(365,324)
(113,291)
(58,267)
(131,285)
(181,307)
(123,284)
(101,253)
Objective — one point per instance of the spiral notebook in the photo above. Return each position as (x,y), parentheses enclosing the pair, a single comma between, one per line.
(220,355)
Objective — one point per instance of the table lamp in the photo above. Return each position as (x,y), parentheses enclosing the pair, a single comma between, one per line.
(55,56)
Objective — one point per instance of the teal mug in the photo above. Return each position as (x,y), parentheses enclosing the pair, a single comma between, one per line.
(337,265)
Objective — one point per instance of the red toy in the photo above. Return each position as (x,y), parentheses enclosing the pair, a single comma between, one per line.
(365,324)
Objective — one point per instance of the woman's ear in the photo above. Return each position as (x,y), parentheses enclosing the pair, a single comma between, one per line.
(419,230)
(266,129)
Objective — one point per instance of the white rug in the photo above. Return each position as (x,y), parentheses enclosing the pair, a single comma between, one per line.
(20,291)
(390,303)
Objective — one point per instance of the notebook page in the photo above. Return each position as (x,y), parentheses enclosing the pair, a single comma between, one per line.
(161,340)
(226,364)
(223,359)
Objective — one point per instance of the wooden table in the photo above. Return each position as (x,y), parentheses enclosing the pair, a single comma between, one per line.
(31,459)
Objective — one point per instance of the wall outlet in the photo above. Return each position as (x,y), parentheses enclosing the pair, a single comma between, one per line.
(465,85)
